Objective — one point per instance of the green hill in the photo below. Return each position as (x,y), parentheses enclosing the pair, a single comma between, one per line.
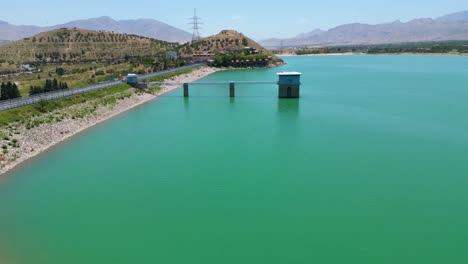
(229,43)
(73,45)
(86,46)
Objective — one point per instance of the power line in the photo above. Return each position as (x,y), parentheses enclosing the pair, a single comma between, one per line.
(195,22)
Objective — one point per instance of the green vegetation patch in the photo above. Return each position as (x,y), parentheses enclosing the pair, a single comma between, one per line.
(241,60)
(163,77)
(23,114)
(455,47)
(29,115)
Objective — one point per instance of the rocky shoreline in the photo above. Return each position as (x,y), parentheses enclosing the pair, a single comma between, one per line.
(29,142)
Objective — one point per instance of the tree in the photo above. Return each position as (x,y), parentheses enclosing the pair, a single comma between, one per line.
(35,90)
(14,92)
(63,86)
(55,85)
(245,42)
(48,86)
(3,92)
(59,70)
(9,91)
(9,88)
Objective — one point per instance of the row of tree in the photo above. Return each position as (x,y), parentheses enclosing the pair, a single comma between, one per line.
(9,90)
(417,47)
(241,60)
(49,86)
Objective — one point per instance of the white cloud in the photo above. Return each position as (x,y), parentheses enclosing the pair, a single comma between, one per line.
(236,18)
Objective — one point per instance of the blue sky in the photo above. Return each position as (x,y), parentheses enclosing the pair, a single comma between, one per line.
(258,19)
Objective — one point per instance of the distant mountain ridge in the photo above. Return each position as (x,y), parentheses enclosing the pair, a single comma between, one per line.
(449,27)
(142,27)
(13,33)
(455,17)
(2,41)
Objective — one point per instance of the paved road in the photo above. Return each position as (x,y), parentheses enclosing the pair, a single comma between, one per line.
(29,100)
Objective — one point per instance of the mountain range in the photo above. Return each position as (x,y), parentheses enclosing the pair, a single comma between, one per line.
(142,27)
(449,27)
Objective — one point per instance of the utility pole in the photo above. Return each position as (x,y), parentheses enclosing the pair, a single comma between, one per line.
(195,22)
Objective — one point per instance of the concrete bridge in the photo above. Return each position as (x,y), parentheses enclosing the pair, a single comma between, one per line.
(288,85)
(230,84)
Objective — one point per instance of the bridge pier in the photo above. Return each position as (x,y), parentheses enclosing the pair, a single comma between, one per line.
(186,90)
(232,89)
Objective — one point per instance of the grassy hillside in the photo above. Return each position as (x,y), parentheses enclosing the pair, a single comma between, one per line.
(78,75)
(70,45)
(83,56)
(86,46)
(226,42)
(37,114)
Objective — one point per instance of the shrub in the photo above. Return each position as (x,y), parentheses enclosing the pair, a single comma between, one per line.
(60,71)
(42,105)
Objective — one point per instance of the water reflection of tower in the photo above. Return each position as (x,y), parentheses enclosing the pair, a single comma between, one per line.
(288,122)
(195,22)
(289,108)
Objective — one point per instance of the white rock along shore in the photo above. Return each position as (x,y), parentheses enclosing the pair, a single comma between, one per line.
(36,140)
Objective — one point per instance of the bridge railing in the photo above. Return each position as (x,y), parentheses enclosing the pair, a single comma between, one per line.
(212,83)
(33,99)
(154,74)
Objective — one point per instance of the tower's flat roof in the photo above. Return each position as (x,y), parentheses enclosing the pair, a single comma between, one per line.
(288,73)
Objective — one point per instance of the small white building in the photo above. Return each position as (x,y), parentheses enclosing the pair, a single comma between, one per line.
(28,67)
(132,78)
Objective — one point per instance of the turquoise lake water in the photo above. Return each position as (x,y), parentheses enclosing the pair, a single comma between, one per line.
(370,165)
